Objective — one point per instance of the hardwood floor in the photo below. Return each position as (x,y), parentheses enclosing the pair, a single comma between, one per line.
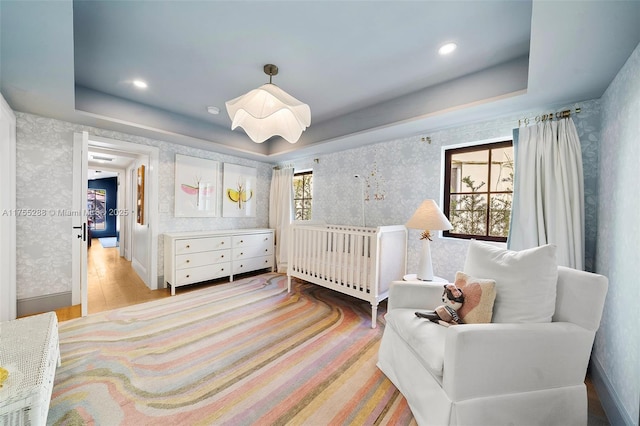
(113,284)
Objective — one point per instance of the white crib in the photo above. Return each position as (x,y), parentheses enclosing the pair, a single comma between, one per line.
(360,262)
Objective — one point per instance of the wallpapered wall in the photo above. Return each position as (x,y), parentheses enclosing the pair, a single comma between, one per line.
(398,175)
(44,181)
(617,346)
(401,173)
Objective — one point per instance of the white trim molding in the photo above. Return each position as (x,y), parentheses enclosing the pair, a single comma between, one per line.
(8,291)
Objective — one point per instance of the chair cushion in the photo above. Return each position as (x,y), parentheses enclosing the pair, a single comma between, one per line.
(479,295)
(525,280)
(424,337)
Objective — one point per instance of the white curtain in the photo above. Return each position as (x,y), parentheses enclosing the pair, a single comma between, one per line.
(281,213)
(548,193)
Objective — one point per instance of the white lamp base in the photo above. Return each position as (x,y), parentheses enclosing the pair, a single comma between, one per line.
(425,268)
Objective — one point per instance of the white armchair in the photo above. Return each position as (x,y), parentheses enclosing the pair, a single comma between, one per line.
(492,374)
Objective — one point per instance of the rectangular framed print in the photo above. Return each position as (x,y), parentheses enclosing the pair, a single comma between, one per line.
(140,196)
(196,187)
(239,191)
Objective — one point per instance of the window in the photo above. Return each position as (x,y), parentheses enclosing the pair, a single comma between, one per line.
(479,191)
(302,190)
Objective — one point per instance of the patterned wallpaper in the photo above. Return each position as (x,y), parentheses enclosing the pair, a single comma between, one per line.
(44,181)
(400,174)
(397,176)
(617,347)
(44,156)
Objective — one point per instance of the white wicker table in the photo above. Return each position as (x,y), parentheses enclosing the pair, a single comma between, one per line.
(29,351)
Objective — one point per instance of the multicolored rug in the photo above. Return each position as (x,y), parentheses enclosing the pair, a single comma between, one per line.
(240,353)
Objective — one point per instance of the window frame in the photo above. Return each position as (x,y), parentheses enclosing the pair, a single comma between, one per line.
(480,146)
(303,199)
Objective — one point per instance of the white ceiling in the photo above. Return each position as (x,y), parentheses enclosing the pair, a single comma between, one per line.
(368,69)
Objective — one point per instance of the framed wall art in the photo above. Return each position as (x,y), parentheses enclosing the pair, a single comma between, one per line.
(140,196)
(239,191)
(196,187)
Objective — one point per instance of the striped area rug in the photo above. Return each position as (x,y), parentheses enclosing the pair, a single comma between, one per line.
(242,353)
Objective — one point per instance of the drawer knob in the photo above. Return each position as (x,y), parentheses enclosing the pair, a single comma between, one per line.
(222,255)
(241,253)
(222,243)
(188,276)
(188,246)
(266,249)
(242,266)
(222,269)
(266,261)
(242,241)
(188,261)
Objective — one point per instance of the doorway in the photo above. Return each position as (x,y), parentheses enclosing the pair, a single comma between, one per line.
(137,241)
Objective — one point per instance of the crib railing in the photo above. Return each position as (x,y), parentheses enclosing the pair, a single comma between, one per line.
(340,255)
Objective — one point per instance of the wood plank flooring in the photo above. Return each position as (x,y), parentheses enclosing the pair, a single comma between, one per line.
(112,283)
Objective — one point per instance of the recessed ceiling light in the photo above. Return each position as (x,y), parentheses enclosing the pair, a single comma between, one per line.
(213,110)
(445,49)
(140,84)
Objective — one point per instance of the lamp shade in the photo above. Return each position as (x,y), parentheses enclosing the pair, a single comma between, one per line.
(429,217)
(268,111)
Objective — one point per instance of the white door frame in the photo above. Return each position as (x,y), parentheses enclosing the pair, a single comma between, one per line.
(151,214)
(79,231)
(8,290)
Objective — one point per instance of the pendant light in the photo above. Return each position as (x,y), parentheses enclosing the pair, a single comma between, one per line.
(268,111)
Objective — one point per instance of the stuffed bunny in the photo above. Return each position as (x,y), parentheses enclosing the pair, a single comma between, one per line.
(446,314)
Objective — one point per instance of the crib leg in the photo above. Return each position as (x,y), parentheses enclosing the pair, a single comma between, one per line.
(374,315)
(288,283)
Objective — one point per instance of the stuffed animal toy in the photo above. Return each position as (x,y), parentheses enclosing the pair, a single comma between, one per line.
(446,314)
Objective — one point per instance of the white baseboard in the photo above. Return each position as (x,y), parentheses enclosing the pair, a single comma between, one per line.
(616,413)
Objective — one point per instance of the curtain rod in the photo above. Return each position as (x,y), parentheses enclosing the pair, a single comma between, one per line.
(285,166)
(545,117)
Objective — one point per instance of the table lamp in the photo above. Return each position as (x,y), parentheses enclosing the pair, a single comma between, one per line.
(428,217)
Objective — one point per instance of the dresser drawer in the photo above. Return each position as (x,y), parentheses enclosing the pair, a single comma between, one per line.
(195,245)
(203,258)
(264,239)
(253,251)
(246,265)
(202,273)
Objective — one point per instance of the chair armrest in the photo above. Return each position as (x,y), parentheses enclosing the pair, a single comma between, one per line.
(492,359)
(410,295)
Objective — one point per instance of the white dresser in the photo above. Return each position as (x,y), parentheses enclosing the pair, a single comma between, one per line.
(191,257)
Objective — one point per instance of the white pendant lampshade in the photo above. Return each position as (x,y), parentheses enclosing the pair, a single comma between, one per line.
(427,217)
(268,111)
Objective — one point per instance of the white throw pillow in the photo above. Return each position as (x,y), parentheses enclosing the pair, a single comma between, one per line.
(525,280)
